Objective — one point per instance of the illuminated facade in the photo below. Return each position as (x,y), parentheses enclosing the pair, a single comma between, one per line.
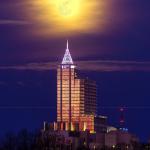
(76,98)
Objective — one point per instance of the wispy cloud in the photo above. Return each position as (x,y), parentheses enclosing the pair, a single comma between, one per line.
(115,65)
(3,83)
(14,22)
(99,65)
(32,66)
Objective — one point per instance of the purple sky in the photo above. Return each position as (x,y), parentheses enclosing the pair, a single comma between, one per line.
(126,36)
(123,45)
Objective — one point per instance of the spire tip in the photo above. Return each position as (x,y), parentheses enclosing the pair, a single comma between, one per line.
(67,45)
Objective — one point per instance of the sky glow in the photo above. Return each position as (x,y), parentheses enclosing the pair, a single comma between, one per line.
(61,17)
(69,8)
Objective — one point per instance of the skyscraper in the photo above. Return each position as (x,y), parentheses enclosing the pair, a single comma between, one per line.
(76,97)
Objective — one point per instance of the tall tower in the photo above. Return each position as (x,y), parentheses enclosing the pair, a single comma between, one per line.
(65,89)
(76,98)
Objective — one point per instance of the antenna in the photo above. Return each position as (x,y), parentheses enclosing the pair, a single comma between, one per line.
(67,44)
(122,118)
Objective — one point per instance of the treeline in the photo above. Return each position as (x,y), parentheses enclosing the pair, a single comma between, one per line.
(26,140)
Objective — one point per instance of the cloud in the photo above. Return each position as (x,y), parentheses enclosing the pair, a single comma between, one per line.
(14,22)
(32,66)
(115,65)
(3,83)
(20,83)
(99,65)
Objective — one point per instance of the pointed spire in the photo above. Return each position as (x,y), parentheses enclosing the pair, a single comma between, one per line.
(67,57)
(67,45)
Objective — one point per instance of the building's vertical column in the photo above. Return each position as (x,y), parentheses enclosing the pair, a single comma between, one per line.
(66,78)
(70,98)
(61,93)
(58,95)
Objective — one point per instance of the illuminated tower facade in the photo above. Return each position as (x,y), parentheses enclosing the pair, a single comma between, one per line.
(76,97)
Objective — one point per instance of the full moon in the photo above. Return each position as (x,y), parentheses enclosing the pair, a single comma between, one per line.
(68,7)
(71,17)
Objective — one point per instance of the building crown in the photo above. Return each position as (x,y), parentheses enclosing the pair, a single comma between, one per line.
(67,60)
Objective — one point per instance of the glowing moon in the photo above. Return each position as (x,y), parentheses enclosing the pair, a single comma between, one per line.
(68,7)
(61,17)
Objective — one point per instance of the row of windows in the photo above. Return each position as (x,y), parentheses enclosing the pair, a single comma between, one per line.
(77,99)
(65,74)
(76,90)
(67,84)
(67,98)
(67,79)
(67,89)
(72,112)
(72,117)
(67,113)
(73,98)
(72,102)
(74,106)
(72,89)
(65,70)
(73,95)
(64,82)
(64,97)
